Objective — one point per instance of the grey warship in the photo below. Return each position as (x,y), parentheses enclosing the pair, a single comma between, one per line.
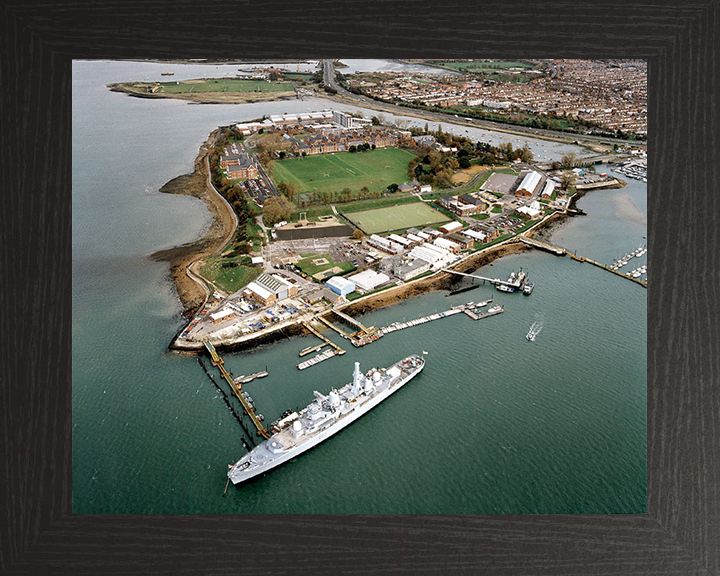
(324,416)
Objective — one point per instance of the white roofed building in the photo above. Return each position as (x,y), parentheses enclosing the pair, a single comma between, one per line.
(222,315)
(341,286)
(529,184)
(546,194)
(447,244)
(368,280)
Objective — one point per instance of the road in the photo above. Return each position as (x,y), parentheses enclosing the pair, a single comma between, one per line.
(329,80)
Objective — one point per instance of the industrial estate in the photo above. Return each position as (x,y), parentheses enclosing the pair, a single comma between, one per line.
(330,213)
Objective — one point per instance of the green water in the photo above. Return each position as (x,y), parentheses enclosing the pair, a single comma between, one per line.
(494,424)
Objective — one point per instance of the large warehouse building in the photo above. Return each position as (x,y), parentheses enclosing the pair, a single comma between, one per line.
(269,288)
(368,280)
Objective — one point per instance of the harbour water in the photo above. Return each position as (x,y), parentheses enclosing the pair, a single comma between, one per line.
(494,424)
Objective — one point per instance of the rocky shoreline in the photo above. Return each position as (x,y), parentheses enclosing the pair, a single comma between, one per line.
(192,290)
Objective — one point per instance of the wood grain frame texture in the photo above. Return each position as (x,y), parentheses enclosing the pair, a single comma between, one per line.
(681,531)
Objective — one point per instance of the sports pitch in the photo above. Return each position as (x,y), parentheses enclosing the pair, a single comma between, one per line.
(224,85)
(375,169)
(417,214)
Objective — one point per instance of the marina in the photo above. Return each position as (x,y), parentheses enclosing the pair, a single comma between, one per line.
(317,359)
(642,250)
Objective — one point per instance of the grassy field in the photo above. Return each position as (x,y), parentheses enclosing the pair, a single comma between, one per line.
(314,213)
(310,268)
(229,278)
(224,85)
(375,169)
(396,217)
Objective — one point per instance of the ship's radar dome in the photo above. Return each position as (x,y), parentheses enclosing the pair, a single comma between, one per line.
(376,377)
(334,398)
(296,426)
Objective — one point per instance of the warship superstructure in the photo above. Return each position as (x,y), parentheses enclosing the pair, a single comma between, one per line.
(299,431)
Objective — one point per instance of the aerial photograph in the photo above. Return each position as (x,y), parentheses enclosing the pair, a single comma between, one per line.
(432,272)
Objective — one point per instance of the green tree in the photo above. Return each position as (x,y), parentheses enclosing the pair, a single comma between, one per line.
(567,179)
(464,162)
(507,150)
(276,209)
(569,160)
(524,153)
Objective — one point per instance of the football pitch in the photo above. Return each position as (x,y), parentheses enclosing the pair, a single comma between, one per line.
(418,214)
(375,169)
(224,85)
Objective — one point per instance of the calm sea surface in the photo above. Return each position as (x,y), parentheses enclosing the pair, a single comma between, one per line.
(494,424)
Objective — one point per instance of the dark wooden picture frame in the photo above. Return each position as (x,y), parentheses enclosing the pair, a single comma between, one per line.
(680,534)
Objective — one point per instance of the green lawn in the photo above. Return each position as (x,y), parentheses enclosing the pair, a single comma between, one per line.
(310,268)
(225,85)
(375,169)
(314,213)
(229,278)
(398,217)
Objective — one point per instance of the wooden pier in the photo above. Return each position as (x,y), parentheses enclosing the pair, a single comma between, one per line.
(349,319)
(236,390)
(326,342)
(333,327)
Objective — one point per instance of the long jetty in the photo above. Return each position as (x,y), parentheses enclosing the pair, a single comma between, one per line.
(236,389)
(478,277)
(395,326)
(582,259)
(560,252)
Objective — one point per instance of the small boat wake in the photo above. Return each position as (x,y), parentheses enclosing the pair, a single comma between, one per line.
(534,330)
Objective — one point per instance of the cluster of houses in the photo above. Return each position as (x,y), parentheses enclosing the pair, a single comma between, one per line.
(613,95)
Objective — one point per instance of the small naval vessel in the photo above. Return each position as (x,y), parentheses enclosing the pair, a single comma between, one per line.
(297,432)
